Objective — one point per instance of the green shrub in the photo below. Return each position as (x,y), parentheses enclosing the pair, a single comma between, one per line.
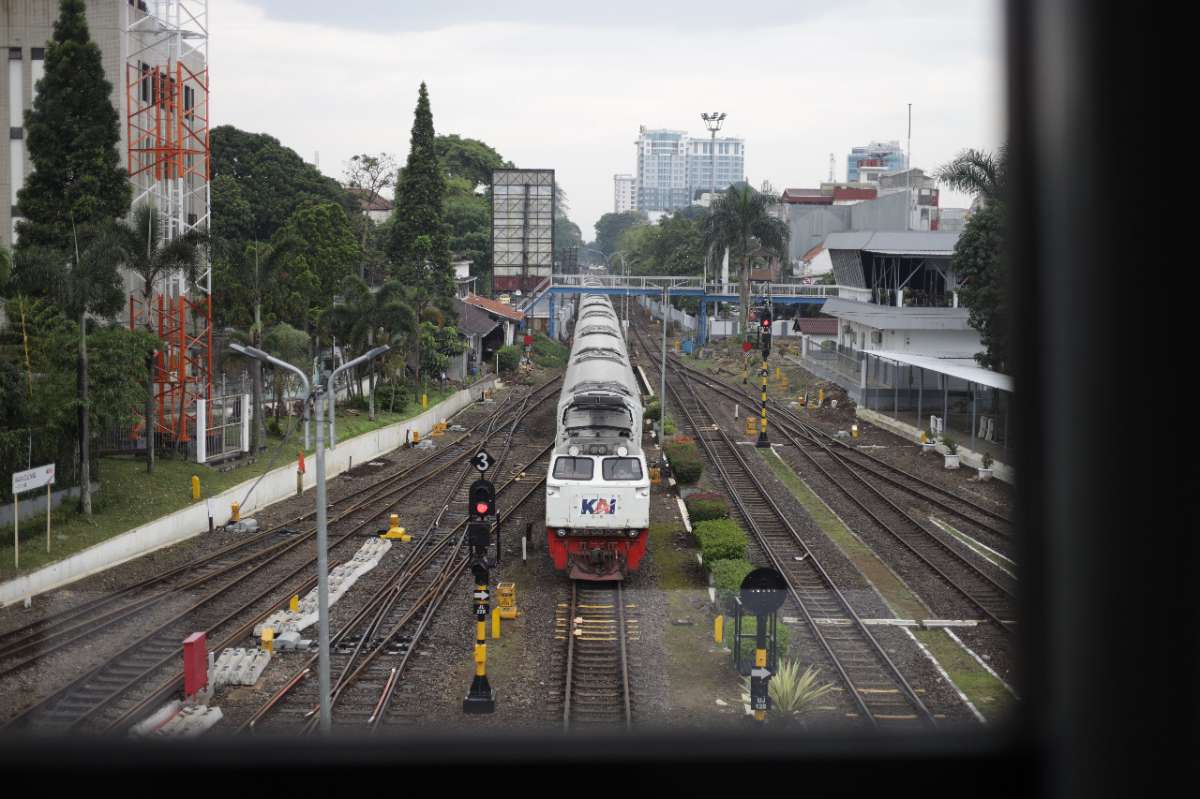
(728,575)
(653,410)
(510,358)
(548,353)
(720,539)
(685,460)
(669,428)
(392,396)
(783,637)
(704,506)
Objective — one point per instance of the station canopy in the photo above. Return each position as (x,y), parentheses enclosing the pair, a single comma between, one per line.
(962,368)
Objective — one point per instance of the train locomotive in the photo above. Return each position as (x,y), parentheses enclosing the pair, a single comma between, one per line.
(598,486)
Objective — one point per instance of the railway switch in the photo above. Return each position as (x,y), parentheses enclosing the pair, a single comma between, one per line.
(506,594)
(395,532)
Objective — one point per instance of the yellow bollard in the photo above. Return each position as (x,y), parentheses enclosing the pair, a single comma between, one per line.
(294,604)
(416,439)
(778,372)
(424,402)
(195,487)
(719,629)
(268,639)
(495,623)
(854,431)
(924,438)
(820,397)
(655,475)
(235,512)
(751,426)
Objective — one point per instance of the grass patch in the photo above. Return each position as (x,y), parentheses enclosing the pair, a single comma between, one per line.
(676,568)
(984,690)
(129,497)
(897,595)
(548,353)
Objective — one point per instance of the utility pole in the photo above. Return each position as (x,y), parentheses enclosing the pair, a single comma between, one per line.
(662,385)
(908,173)
(713,123)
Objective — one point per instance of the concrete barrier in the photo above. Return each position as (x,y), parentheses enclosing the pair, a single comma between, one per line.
(276,485)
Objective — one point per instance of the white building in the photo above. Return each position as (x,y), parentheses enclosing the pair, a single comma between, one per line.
(673,167)
(624,193)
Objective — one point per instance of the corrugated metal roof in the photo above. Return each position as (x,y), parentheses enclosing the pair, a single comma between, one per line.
(494,307)
(895,242)
(474,321)
(962,368)
(886,317)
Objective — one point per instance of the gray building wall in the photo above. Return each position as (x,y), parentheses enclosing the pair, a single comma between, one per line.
(810,224)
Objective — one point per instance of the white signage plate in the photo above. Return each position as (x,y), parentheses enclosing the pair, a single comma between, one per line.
(33,478)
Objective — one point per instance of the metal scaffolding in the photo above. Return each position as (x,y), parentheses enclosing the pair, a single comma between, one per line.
(169,164)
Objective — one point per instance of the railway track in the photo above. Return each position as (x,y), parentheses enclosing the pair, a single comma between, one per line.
(596,685)
(370,654)
(22,646)
(982,584)
(108,689)
(876,687)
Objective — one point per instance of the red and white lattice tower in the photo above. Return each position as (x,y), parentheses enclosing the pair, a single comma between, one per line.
(169,163)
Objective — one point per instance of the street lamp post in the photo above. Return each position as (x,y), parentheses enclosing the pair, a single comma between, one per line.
(713,123)
(310,392)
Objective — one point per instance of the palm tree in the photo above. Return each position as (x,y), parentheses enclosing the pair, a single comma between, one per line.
(741,220)
(256,267)
(978,173)
(146,254)
(364,315)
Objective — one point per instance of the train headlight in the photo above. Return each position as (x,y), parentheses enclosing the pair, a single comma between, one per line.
(562,532)
(622,450)
(634,533)
(573,450)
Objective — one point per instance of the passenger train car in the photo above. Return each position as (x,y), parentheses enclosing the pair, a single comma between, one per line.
(598,486)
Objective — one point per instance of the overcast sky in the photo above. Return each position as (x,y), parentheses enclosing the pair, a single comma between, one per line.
(550,85)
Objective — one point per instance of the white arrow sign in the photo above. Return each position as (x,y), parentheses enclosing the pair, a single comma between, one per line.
(32,478)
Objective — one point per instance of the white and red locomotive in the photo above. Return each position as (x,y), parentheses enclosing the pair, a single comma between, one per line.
(598,487)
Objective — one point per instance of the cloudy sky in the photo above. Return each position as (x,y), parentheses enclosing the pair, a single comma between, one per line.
(550,85)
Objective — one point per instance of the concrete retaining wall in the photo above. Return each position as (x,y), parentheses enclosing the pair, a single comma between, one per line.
(276,485)
(967,457)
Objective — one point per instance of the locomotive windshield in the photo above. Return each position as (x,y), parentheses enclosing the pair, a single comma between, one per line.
(566,468)
(622,469)
(599,418)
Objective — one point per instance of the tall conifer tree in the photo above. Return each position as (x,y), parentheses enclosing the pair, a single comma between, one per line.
(420,245)
(72,135)
(76,193)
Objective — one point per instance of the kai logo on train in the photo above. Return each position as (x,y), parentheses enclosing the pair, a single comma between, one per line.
(598,506)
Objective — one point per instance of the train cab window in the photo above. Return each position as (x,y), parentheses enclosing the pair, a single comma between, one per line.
(622,469)
(567,468)
(598,418)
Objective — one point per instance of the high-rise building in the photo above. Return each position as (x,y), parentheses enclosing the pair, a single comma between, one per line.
(730,164)
(661,169)
(673,167)
(624,193)
(877,157)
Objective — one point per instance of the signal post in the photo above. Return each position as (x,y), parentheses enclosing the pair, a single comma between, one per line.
(765,339)
(481,516)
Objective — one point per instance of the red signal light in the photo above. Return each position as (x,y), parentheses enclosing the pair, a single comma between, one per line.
(481,508)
